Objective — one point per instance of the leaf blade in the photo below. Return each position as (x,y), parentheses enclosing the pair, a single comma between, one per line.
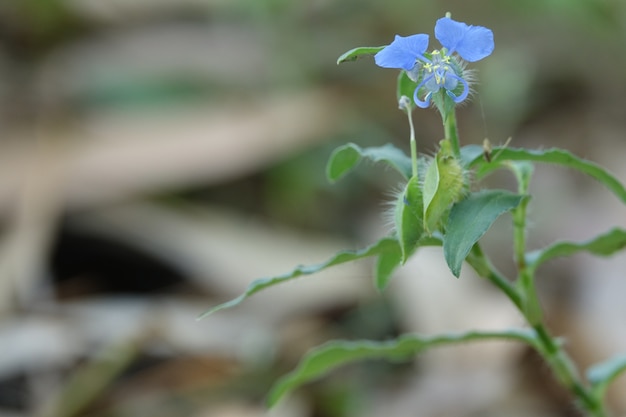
(355,53)
(602,374)
(386,264)
(409,219)
(347,157)
(382,245)
(603,245)
(550,156)
(331,355)
(470,219)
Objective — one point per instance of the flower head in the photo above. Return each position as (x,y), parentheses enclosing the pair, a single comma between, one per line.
(439,69)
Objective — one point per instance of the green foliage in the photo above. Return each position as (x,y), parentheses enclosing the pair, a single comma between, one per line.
(383,245)
(332,355)
(391,258)
(444,184)
(603,245)
(354,54)
(472,155)
(346,157)
(470,219)
(602,374)
(386,264)
(409,221)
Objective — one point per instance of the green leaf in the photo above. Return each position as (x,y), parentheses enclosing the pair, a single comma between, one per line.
(550,156)
(342,160)
(383,245)
(391,259)
(346,157)
(386,264)
(602,374)
(408,218)
(470,155)
(355,53)
(444,184)
(469,220)
(603,245)
(329,356)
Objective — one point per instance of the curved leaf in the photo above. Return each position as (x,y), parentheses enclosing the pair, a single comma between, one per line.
(391,259)
(355,53)
(473,157)
(469,220)
(346,157)
(409,218)
(329,356)
(342,160)
(387,263)
(444,184)
(603,245)
(602,374)
(383,245)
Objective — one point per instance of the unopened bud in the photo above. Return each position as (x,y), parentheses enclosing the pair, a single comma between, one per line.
(404,104)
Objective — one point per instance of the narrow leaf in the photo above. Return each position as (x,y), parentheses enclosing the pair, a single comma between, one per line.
(550,156)
(602,374)
(408,218)
(383,245)
(603,245)
(390,260)
(329,356)
(469,220)
(342,160)
(346,157)
(386,264)
(355,53)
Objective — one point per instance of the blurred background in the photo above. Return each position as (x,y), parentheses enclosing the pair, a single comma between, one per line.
(157,156)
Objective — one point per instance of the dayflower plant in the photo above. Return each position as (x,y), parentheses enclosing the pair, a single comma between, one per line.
(439,68)
(437,207)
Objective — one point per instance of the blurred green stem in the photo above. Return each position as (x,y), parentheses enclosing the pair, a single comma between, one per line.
(413,143)
(451,132)
(524,296)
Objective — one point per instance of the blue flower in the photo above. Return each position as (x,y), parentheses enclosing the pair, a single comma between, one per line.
(439,69)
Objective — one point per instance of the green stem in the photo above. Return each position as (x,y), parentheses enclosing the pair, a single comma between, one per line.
(552,351)
(565,371)
(413,143)
(483,267)
(557,358)
(519,234)
(451,132)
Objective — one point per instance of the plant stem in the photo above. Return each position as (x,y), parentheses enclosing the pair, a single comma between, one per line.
(523,294)
(552,351)
(550,348)
(413,143)
(565,371)
(451,132)
(485,269)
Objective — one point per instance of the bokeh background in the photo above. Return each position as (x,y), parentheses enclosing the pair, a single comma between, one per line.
(157,156)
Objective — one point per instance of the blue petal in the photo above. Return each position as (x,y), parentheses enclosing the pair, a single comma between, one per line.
(426,102)
(403,52)
(464,94)
(472,43)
